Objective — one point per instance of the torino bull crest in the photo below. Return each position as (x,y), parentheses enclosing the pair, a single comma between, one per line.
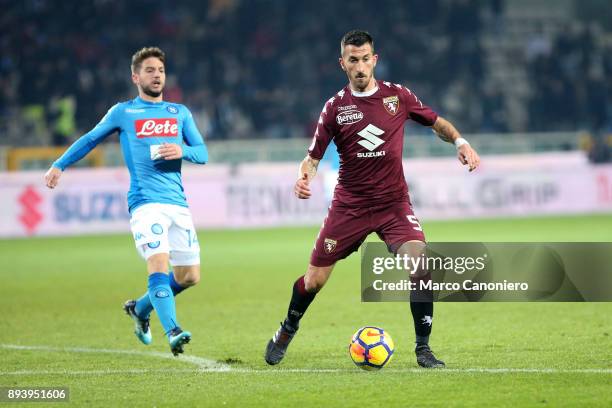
(330,245)
(391,104)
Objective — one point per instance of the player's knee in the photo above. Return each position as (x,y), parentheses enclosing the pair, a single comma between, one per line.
(187,278)
(315,278)
(313,284)
(191,280)
(414,249)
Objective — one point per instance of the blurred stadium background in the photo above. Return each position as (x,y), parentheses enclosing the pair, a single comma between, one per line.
(526,81)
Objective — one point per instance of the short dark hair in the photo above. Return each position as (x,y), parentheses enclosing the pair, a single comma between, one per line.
(144,53)
(356,38)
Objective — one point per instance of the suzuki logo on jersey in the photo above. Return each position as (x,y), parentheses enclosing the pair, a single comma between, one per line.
(371,141)
(156,128)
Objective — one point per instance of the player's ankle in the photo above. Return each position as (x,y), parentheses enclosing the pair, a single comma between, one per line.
(291,324)
(422,341)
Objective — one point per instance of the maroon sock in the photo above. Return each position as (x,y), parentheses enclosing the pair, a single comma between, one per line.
(300,300)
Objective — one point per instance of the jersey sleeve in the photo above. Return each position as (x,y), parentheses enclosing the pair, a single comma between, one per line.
(194,149)
(417,110)
(87,142)
(325,132)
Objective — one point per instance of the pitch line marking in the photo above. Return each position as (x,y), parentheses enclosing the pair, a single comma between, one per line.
(306,371)
(204,365)
(101,372)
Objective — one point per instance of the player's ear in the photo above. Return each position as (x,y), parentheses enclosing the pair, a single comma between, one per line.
(342,64)
(134,78)
(375,59)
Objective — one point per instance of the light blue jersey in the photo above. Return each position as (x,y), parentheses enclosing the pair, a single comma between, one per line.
(142,127)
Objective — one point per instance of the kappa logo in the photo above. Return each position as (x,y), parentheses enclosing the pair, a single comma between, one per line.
(346,108)
(427,320)
(371,141)
(329,245)
(162,127)
(391,104)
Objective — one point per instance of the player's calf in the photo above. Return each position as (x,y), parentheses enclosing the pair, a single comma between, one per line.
(316,277)
(186,276)
(300,300)
(162,299)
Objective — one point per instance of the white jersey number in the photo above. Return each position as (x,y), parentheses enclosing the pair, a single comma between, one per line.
(413,220)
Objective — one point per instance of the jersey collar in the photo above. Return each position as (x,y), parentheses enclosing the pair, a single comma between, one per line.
(364,94)
(140,100)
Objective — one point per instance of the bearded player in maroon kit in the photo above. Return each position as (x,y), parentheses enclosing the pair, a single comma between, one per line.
(366,120)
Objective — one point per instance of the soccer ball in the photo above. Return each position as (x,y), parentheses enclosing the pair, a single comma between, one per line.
(371,348)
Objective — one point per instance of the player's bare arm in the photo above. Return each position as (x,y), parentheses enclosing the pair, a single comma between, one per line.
(308,170)
(52,177)
(447,132)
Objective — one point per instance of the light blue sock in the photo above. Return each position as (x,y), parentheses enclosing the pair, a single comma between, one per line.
(143,304)
(162,300)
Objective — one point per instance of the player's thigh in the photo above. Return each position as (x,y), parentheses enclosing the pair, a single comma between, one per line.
(316,277)
(150,230)
(397,225)
(341,234)
(183,239)
(157,262)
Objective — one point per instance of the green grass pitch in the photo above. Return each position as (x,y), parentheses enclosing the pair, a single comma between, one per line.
(61,298)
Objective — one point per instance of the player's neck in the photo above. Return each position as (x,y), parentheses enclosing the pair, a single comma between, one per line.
(371,85)
(149,98)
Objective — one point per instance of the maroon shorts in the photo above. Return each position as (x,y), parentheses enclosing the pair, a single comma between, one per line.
(345,229)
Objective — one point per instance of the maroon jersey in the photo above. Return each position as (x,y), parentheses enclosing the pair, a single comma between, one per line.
(368,129)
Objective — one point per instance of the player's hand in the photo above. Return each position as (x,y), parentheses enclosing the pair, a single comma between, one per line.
(302,188)
(171,151)
(468,156)
(52,177)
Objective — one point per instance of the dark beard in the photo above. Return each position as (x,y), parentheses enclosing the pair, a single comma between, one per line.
(362,89)
(151,93)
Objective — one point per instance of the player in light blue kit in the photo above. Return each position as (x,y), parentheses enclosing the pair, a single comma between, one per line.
(155,137)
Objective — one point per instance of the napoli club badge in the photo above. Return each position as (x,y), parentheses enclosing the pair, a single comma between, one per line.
(172,109)
(329,245)
(391,104)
